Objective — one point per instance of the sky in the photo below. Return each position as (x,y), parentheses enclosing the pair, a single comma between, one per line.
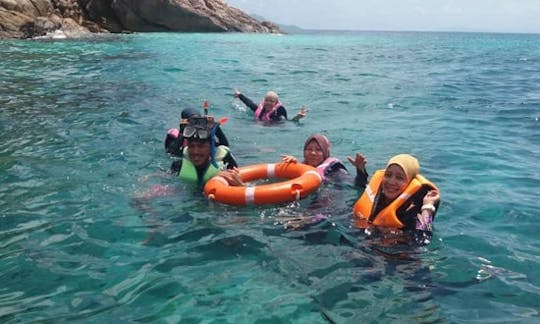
(512,16)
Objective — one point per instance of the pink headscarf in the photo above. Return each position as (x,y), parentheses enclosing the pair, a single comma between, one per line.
(323,143)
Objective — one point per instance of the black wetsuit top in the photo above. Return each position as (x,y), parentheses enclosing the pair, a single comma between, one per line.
(279,114)
(361,179)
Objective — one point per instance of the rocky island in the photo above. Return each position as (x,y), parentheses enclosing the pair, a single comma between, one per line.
(75,18)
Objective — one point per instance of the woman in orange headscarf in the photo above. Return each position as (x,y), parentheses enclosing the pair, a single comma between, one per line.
(399,197)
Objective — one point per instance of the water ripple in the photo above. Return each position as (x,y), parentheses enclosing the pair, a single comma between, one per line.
(83,121)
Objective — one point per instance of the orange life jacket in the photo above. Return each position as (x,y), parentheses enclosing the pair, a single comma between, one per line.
(387,217)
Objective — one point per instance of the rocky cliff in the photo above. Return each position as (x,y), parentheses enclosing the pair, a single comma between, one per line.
(76,18)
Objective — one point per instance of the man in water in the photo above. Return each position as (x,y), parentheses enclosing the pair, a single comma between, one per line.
(201,158)
(174,141)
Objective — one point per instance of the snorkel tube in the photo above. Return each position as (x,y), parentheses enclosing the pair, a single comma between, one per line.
(213,145)
(205,107)
(212,132)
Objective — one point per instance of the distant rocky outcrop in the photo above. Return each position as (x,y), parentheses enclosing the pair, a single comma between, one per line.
(288,29)
(76,18)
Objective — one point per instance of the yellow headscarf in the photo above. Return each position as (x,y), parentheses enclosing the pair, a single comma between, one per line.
(408,163)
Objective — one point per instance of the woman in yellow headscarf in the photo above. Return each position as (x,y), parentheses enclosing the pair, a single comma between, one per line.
(399,197)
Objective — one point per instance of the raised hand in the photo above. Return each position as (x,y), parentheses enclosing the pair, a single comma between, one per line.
(359,161)
(432,197)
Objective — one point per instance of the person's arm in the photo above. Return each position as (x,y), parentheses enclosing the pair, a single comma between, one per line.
(176,166)
(301,114)
(174,146)
(424,219)
(230,161)
(248,102)
(222,139)
(359,162)
(281,114)
(361,178)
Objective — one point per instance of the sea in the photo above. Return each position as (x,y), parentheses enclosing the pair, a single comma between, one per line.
(94,229)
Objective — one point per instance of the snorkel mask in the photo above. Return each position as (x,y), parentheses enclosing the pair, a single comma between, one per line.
(201,128)
(198,127)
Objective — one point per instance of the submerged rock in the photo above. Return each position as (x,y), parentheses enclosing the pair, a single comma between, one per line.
(76,18)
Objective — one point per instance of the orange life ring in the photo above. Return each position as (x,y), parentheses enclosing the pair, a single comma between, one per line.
(304,179)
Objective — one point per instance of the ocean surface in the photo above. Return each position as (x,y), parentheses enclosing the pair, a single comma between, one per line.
(85,236)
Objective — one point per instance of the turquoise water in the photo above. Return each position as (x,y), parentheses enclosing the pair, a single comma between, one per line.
(82,124)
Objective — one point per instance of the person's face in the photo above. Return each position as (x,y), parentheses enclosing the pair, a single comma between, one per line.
(313,154)
(269,102)
(199,152)
(394,181)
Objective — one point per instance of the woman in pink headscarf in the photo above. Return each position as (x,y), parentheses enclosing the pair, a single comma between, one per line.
(317,154)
